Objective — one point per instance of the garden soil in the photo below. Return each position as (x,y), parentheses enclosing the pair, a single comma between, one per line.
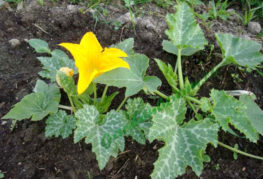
(26,153)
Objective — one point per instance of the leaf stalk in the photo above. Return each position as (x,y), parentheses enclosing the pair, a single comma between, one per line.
(122,103)
(207,76)
(104,93)
(180,73)
(95,93)
(239,151)
(65,107)
(71,103)
(161,94)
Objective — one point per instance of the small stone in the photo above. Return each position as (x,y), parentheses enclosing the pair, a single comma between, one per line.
(254,27)
(72,8)
(20,6)
(6,5)
(4,123)
(14,43)
(126,18)
(32,5)
(2,2)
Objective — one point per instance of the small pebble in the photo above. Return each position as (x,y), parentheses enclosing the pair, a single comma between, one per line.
(14,43)
(72,8)
(254,27)
(20,6)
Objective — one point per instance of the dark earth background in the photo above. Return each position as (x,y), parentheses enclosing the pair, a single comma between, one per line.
(26,153)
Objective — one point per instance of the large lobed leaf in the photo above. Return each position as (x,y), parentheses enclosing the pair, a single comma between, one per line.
(59,124)
(185,34)
(228,110)
(138,123)
(184,144)
(37,105)
(105,138)
(134,79)
(126,45)
(39,45)
(52,64)
(254,113)
(239,51)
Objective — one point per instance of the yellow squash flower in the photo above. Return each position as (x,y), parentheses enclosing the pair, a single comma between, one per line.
(92,60)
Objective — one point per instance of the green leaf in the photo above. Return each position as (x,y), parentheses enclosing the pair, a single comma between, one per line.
(184,144)
(52,64)
(126,46)
(184,32)
(168,73)
(105,142)
(51,91)
(59,124)
(134,79)
(205,104)
(40,46)
(138,123)
(169,47)
(239,51)
(228,110)
(151,83)
(1,174)
(104,106)
(254,113)
(37,105)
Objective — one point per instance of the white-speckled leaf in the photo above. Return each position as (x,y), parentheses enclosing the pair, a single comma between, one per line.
(59,124)
(184,144)
(88,129)
(239,51)
(184,32)
(138,123)
(228,110)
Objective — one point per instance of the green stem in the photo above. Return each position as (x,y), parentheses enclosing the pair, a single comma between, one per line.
(180,73)
(207,76)
(72,104)
(176,67)
(132,20)
(192,106)
(122,103)
(239,151)
(193,99)
(161,94)
(104,93)
(92,6)
(65,107)
(95,93)
(259,72)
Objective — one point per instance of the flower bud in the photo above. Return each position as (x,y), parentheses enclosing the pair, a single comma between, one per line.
(66,71)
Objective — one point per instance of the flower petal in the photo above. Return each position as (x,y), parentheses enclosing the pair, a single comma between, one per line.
(90,42)
(85,78)
(114,52)
(79,54)
(110,59)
